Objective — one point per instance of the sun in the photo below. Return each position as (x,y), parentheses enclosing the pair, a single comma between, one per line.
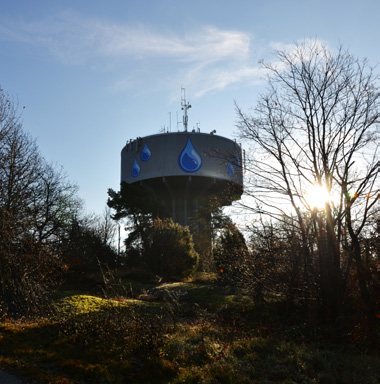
(317,196)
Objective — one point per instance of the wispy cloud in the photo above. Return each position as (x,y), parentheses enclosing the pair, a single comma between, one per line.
(210,57)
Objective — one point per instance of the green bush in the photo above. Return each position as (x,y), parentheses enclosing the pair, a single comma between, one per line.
(230,256)
(171,254)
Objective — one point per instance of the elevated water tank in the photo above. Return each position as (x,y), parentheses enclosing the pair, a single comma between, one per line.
(183,168)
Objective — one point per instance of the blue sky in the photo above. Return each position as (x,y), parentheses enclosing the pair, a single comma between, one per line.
(93,74)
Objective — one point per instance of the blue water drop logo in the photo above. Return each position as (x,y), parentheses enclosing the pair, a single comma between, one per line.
(231,163)
(146,153)
(189,159)
(230,169)
(135,169)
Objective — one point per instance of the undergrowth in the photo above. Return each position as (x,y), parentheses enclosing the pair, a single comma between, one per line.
(177,333)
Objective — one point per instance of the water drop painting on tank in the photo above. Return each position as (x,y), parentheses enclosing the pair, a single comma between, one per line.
(185,167)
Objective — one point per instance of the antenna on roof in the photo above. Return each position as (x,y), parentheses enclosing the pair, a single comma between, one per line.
(170,121)
(185,106)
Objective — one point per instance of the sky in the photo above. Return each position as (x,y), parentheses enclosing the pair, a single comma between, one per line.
(93,74)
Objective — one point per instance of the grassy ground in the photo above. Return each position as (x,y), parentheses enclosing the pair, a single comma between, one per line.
(192,332)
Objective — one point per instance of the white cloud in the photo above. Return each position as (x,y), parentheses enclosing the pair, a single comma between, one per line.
(80,38)
(209,58)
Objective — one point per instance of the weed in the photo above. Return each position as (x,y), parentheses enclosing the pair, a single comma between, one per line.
(170,338)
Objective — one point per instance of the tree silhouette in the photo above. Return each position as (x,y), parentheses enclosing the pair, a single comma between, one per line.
(316,125)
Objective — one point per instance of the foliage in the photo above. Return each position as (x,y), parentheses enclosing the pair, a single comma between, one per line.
(134,200)
(171,252)
(316,126)
(84,248)
(138,205)
(159,245)
(230,255)
(39,210)
(29,188)
(280,264)
(271,264)
(27,273)
(168,340)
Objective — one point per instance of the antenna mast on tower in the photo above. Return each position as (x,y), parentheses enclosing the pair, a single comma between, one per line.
(185,107)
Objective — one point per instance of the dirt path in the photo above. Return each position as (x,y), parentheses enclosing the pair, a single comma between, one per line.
(7,378)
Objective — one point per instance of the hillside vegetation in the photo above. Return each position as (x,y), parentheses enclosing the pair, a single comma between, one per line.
(191,332)
(287,294)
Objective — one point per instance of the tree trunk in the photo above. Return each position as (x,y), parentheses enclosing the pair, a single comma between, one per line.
(330,273)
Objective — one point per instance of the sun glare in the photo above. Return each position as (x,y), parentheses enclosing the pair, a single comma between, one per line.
(317,196)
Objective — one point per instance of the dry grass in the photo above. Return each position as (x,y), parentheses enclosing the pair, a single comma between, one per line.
(195,333)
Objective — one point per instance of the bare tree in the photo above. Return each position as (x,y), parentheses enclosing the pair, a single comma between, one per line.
(36,205)
(54,204)
(9,117)
(19,170)
(21,270)
(106,227)
(316,125)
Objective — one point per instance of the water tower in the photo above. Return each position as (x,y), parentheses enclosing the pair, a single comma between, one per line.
(185,168)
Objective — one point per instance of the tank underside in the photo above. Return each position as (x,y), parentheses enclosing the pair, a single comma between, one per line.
(184,195)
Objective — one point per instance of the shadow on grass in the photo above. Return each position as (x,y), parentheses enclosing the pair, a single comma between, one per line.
(182,333)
